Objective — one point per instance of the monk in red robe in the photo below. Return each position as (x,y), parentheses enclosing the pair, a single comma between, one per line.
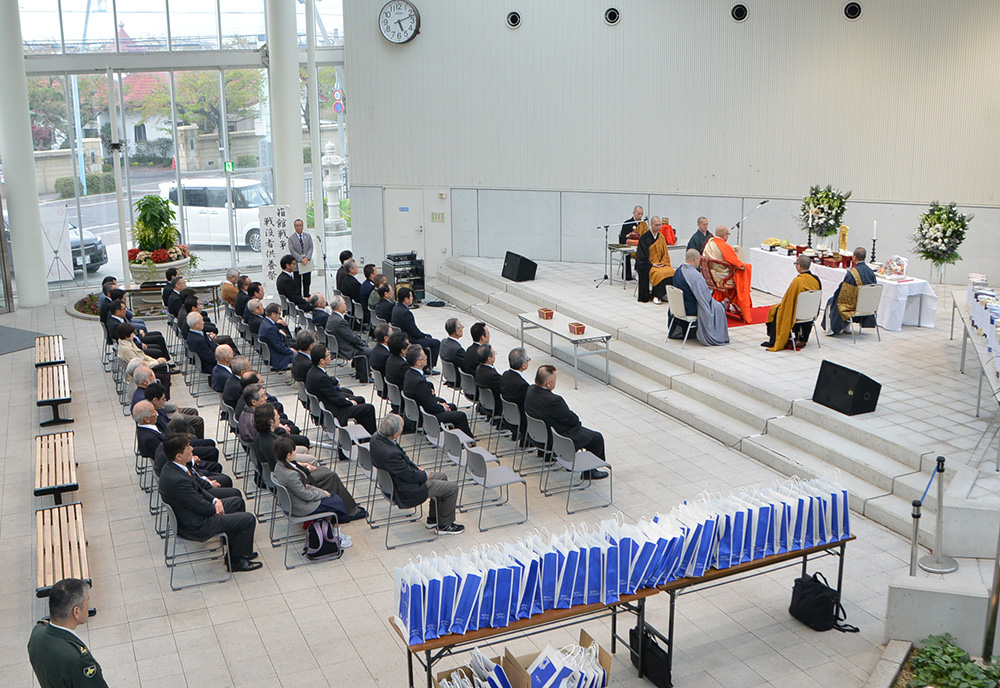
(730,275)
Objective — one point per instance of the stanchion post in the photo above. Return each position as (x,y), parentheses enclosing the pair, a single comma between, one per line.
(916,532)
(938,562)
(991,612)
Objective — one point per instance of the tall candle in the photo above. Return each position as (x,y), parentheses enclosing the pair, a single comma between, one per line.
(874,229)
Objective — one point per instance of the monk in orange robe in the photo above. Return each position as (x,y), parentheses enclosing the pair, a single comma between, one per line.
(780,318)
(730,273)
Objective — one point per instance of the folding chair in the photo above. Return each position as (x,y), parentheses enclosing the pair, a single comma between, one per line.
(575,462)
(191,554)
(869,296)
(493,478)
(675,302)
(416,513)
(294,523)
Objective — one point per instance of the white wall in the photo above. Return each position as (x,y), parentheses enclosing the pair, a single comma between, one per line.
(899,106)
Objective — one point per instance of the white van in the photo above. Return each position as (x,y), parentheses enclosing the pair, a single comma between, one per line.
(206,216)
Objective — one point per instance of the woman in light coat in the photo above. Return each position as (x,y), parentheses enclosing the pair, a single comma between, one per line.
(129,349)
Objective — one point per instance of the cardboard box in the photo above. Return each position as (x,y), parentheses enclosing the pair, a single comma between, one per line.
(545,313)
(577,328)
(516,668)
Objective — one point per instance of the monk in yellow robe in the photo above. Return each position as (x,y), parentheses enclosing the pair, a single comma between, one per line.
(661,274)
(730,274)
(780,318)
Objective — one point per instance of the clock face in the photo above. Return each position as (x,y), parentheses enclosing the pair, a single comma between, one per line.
(399,21)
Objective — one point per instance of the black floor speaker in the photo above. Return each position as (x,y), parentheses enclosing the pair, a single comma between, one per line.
(845,390)
(518,268)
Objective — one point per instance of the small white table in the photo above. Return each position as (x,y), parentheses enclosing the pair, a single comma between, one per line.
(907,302)
(619,252)
(559,325)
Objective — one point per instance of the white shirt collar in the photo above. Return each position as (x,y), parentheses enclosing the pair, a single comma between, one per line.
(455,339)
(63,628)
(150,427)
(418,370)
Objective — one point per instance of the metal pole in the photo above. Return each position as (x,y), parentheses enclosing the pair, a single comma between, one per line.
(319,195)
(938,562)
(116,145)
(916,532)
(991,613)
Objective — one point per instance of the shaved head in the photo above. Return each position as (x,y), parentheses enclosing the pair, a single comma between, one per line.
(803,263)
(692,257)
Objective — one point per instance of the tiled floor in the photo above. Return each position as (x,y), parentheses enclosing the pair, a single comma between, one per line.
(326,624)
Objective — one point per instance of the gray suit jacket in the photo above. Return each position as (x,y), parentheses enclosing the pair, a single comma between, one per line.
(305,498)
(349,343)
(298,252)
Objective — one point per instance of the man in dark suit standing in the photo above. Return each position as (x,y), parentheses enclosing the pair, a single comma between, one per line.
(285,284)
(350,345)
(338,400)
(513,386)
(480,335)
(402,318)
(201,343)
(222,370)
(542,403)
(451,346)
(302,362)
(274,338)
(300,246)
(420,389)
(411,484)
(201,516)
(487,376)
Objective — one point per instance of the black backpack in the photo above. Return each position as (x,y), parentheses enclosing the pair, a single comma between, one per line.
(322,541)
(817,605)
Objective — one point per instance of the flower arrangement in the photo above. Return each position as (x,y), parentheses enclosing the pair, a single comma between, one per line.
(940,232)
(155,235)
(823,210)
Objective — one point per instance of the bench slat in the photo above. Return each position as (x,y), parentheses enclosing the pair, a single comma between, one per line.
(40,539)
(81,542)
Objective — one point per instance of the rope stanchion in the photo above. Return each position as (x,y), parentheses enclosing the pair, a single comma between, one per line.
(916,532)
(938,562)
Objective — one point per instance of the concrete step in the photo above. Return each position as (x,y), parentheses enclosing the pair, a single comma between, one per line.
(495,281)
(889,510)
(707,368)
(726,400)
(852,458)
(701,416)
(855,427)
(456,296)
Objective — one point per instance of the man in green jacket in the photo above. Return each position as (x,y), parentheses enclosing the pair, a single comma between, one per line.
(58,656)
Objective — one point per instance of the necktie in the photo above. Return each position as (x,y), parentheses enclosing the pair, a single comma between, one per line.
(302,244)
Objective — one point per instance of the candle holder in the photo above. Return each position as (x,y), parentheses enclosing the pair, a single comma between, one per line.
(809,239)
(872,259)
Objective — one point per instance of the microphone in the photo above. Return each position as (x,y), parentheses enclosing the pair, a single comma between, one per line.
(762,203)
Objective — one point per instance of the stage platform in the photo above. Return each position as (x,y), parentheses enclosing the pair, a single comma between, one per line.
(759,402)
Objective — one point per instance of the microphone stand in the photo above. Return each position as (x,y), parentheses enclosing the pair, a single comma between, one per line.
(739,225)
(607,254)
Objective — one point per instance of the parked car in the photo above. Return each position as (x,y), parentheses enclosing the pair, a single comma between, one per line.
(95,253)
(206,213)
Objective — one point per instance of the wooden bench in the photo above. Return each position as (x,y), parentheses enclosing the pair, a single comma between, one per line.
(49,350)
(55,465)
(53,390)
(62,546)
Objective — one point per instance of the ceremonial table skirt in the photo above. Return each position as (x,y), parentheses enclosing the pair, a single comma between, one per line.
(912,302)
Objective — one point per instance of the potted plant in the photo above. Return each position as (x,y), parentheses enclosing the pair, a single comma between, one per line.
(155,236)
(940,232)
(823,210)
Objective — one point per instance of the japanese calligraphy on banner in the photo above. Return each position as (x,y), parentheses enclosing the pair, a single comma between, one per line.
(274,229)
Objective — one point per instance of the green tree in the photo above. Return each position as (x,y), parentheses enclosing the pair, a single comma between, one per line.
(198,99)
(326,78)
(47,103)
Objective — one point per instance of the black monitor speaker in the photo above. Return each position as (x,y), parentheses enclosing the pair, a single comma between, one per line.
(845,390)
(518,268)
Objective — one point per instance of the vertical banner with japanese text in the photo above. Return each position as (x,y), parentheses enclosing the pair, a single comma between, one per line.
(273,244)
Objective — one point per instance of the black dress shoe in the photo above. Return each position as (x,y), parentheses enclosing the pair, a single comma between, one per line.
(244,564)
(595,474)
(252,556)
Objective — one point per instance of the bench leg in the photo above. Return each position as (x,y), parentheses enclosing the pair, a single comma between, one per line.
(56,420)
(57,496)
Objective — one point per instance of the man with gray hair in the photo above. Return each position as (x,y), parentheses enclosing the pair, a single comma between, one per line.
(413,485)
(254,315)
(451,346)
(513,386)
(350,345)
(143,377)
(347,281)
(57,655)
(319,313)
(222,372)
(229,288)
(201,343)
(234,386)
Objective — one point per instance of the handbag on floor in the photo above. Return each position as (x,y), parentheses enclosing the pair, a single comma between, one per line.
(655,659)
(818,606)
